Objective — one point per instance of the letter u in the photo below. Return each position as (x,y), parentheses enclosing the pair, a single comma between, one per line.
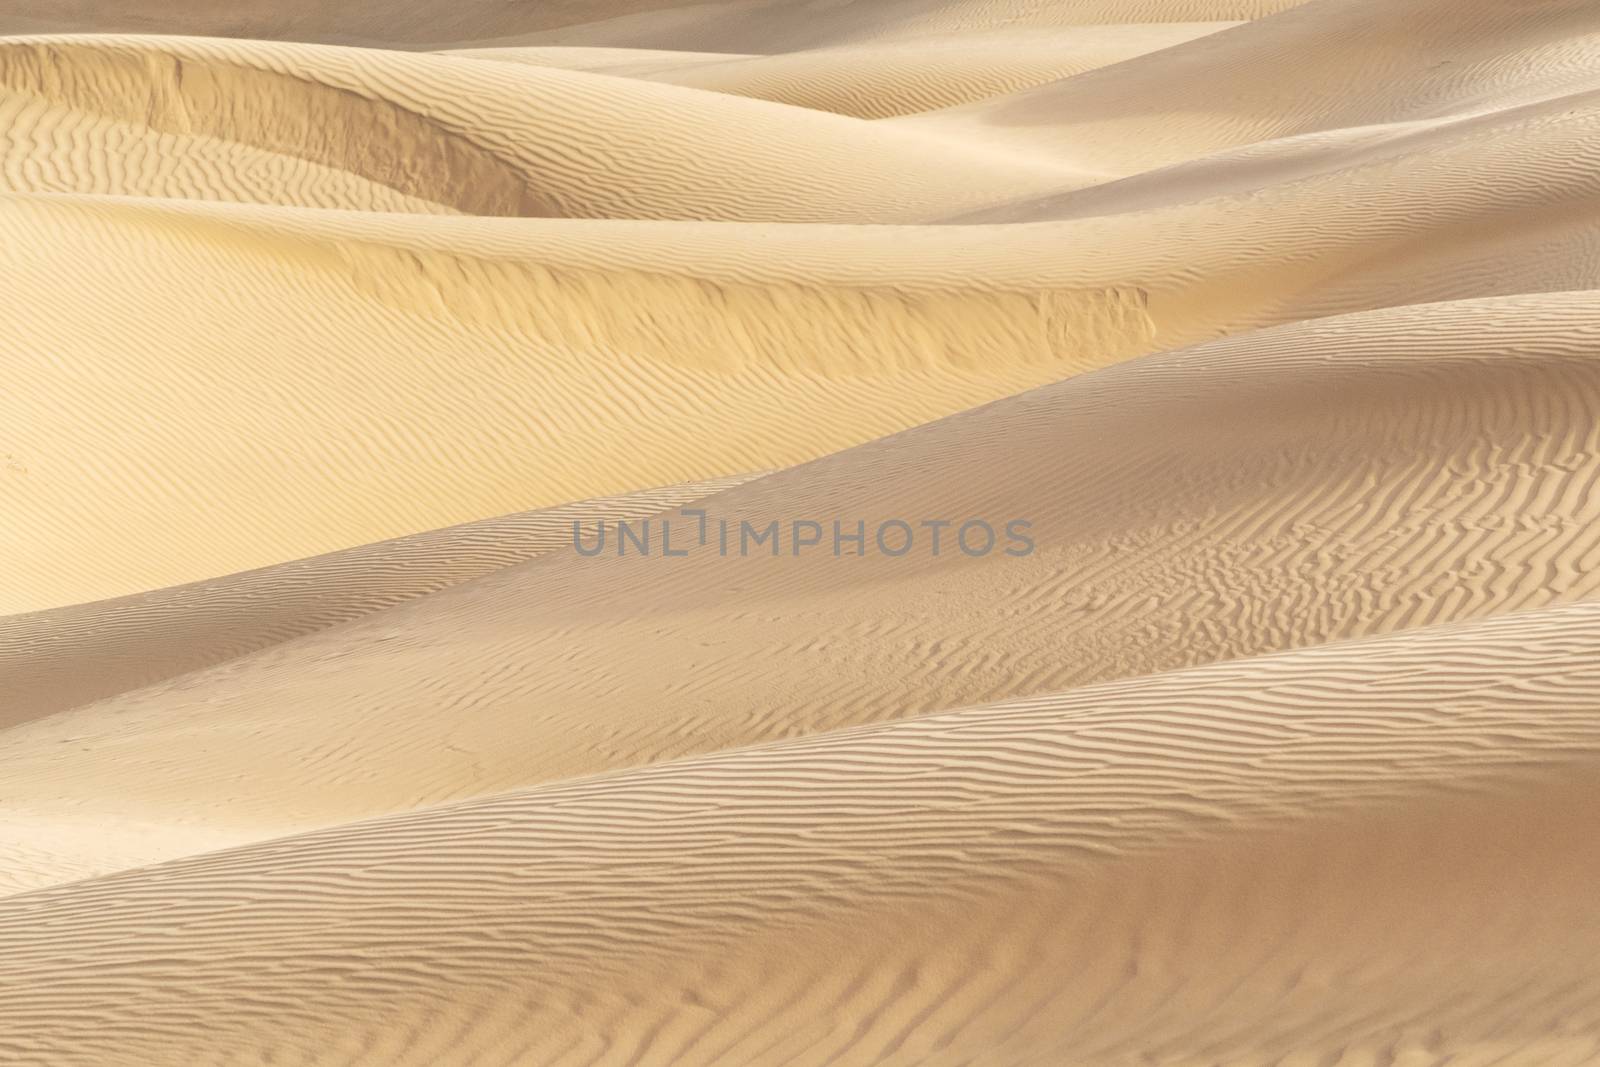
(577,539)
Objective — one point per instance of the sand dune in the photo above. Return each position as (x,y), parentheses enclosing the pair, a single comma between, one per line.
(498,138)
(500,377)
(881,79)
(1329,480)
(761,25)
(1272,78)
(767,26)
(1197,860)
(823,338)
(51,660)
(1257,340)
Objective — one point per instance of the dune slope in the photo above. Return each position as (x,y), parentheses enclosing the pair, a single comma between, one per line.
(1270,78)
(819,338)
(57,659)
(753,25)
(882,79)
(1329,480)
(1127,872)
(461,373)
(480,138)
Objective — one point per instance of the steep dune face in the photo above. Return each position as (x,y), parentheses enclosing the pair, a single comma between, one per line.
(496,138)
(459,378)
(1013,532)
(793,341)
(1309,850)
(634,341)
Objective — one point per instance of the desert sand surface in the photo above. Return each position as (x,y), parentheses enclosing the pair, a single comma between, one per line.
(1262,337)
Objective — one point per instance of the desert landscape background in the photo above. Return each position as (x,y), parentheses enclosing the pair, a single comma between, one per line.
(323,325)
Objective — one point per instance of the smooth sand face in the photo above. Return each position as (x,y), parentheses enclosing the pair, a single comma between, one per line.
(1276,323)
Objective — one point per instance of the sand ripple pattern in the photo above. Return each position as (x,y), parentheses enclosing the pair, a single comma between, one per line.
(1118,874)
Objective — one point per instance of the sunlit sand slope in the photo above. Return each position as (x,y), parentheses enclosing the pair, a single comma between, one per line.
(741,25)
(1392,62)
(1500,202)
(1336,479)
(329,392)
(800,339)
(882,79)
(1370,853)
(768,26)
(51,660)
(391,128)
(408,369)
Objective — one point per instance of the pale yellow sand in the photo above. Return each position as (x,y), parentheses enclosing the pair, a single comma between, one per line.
(488,138)
(1273,78)
(704,351)
(456,385)
(1384,849)
(763,26)
(882,79)
(1336,479)
(51,660)
(1277,323)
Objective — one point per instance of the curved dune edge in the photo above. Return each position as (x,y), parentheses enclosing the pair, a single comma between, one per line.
(791,322)
(812,337)
(1275,74)
(499,139)
(1443,456)
(883,79)
(1187,861)
(42,150)
(53,660)
(677,25)
(451,385)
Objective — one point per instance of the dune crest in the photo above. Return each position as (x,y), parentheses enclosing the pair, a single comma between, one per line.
(665,24)
(881,79)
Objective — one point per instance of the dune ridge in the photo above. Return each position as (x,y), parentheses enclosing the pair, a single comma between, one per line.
(1276,71)
(880,79)
(519,140)
(666,24)
(1097,822)
(1442,457)
(57,659)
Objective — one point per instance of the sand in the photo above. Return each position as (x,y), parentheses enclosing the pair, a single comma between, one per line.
(1271,329)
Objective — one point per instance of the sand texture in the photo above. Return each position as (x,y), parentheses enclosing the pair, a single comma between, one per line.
(1266,333)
